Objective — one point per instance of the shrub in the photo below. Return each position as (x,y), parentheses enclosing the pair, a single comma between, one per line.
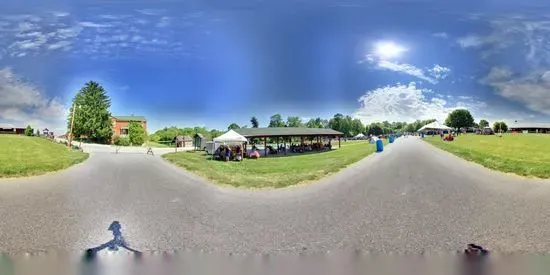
(122,141)
(136,133)
(29,131)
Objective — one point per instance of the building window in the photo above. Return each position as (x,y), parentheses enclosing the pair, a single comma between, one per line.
(123,132)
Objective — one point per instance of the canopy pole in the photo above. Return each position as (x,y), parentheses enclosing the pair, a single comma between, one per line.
(265,146)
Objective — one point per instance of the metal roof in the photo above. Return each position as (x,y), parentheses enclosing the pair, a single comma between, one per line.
(534,125)
(6,126)
(286,131)
(130,118)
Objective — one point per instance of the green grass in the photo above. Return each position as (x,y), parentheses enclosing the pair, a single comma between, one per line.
(28,156)
(272,172)
(522,154)
(156,145)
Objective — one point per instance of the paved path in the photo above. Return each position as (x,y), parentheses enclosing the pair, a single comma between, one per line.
(411,197)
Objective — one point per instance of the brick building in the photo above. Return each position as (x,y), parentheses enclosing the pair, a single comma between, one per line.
(120,124)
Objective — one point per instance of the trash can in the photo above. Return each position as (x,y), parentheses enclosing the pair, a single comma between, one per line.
(379,145)
(391,139)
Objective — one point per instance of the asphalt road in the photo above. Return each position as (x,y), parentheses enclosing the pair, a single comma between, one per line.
(410,198)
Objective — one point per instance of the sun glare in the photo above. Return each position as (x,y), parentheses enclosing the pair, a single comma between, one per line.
(387,50)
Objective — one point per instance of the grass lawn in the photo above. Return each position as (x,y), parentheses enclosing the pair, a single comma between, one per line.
(272,172)
(522,154)
(156,145)
(26,156)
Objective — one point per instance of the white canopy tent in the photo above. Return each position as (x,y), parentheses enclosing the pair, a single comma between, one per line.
(230,137)
(435,126)
(360,135)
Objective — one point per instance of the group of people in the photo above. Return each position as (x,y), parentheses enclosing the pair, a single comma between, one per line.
(237,152)
(227,153)
(301,148)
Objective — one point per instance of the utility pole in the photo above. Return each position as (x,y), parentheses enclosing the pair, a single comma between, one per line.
(71,131)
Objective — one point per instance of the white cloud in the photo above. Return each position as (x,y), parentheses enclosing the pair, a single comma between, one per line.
(108,16)
(441,35)
(532,90)
(497,74)
(383,52)
(150,12)
(30,44)
(439,72)
(164,22)
(22,104)
(406,69)
(142,21)
(88,24)
(407,103)
(26,26)
(137,38)
(471,41)
(61,44)
(66,33)
(22,37)
(60,14)
(28,34)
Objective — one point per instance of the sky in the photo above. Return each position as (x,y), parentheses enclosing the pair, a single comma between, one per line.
(213,62)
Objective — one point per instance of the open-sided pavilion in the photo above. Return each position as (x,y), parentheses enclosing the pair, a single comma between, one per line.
(289,132)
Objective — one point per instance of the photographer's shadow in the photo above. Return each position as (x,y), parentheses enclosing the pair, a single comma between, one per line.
(112,245)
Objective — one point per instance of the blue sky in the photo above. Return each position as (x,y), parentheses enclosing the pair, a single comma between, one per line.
(212,63)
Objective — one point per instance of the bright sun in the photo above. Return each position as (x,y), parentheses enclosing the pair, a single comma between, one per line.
(387,50)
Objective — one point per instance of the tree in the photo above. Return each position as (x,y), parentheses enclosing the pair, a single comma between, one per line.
(460,118)
(215,133)
(483,123)
(294,121)
(92,117)
(335,123)
(29,131)
(410,128)
(254,122)
(500,127)
(233,126)
(136,133)
(374,129)
(317,123)
(276,121)
(37,133)
(356,127)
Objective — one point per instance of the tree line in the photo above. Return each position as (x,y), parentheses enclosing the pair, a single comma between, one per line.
(462,118)
(343,123)
(92,120)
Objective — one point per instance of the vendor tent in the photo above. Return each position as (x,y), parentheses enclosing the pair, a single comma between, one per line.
(434,126)
(359,136)
(230,136)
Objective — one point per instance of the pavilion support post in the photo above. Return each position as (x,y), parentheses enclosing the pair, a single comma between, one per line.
(284,145)
(339,145)
(277,144)
(265,146)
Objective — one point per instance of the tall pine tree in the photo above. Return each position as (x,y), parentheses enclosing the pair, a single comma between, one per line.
(92,116)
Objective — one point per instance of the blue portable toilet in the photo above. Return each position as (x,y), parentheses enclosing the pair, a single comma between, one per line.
(391,139)
(379,145)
